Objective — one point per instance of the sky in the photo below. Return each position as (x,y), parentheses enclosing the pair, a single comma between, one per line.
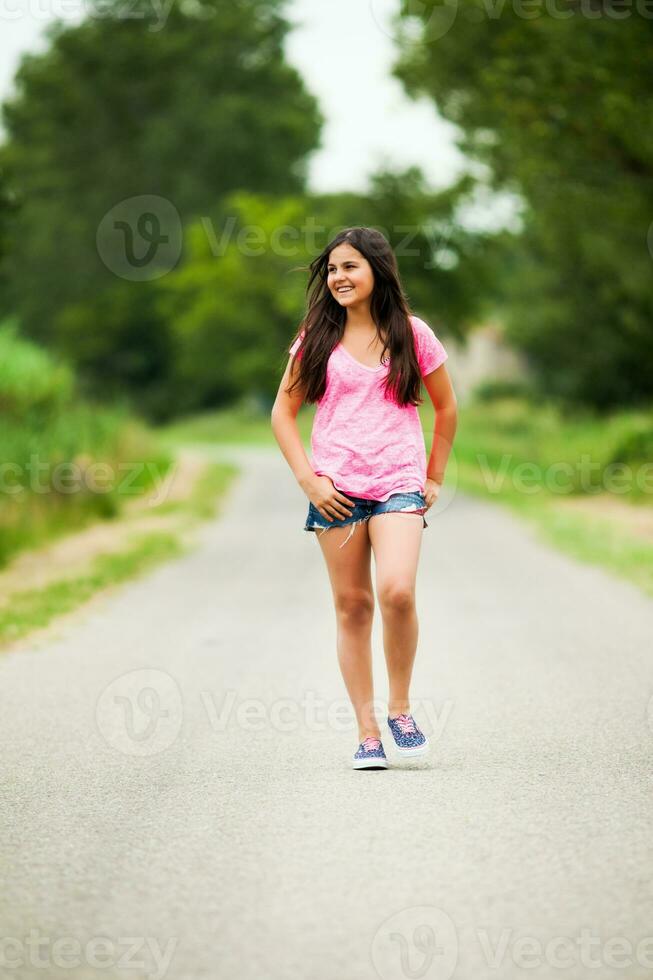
(370,122)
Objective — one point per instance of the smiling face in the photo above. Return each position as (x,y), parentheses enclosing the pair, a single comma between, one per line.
(350,277)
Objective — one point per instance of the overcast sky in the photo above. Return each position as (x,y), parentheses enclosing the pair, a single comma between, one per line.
(369,120)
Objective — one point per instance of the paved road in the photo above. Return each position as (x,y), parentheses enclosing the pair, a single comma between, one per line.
(177,799)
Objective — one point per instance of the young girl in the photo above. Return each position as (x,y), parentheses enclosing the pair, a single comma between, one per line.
(361,355)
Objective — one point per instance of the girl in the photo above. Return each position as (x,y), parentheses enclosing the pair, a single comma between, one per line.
(361,355)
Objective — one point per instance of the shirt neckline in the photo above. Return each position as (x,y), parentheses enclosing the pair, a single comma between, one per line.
(352,358)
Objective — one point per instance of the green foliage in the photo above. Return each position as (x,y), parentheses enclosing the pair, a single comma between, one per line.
(558,109)
(121,346)
(31,381)
(573,453)
(188,110)
(65,461)
(635,446)
(498,389)
(233,305)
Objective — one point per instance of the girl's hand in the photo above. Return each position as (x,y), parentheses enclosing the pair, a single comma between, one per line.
(431,492)
(329,501)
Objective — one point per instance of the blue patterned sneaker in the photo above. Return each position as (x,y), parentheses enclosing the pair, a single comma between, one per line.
(370,754)
(408,738)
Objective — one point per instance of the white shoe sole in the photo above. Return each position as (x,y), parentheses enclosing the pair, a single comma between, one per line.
(370,764)
(414,751)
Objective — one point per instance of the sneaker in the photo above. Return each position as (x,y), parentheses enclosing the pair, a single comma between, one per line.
(408,738)
(370,754)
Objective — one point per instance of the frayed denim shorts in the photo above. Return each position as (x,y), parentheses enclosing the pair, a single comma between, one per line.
(407,503)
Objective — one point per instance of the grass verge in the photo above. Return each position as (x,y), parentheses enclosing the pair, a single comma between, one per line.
(132,544)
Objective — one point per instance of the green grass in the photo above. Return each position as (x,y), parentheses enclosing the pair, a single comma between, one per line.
(35,608)
(31,519)
(509,432)
(498,436)
(66,461)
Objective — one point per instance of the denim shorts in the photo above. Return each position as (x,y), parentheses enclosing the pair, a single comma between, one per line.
(364,508)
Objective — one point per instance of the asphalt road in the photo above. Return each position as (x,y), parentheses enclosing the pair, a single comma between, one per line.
(177,795)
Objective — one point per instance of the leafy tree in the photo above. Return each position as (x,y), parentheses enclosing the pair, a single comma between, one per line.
(234,303)
(122,347)
(557,105)
(123,106)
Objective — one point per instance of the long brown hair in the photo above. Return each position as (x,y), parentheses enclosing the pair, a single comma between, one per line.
(324,323)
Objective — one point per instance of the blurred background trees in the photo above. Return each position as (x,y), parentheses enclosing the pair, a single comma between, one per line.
(207,116)
(557,108)
(117,108)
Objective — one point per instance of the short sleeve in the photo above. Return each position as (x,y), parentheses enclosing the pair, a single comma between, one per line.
(294,347)
(430,351)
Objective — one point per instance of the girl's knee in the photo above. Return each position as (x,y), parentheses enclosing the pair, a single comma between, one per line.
(397,598)
(355,607)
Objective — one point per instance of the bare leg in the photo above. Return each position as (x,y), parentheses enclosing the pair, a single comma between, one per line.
(351,583)
(396,539)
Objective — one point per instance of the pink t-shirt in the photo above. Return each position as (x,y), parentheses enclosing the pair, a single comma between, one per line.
(366,443)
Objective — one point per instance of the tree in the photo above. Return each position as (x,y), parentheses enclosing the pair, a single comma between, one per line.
(558,108)
(118,108)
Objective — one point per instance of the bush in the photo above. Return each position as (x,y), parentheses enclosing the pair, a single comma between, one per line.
(634,447)
(48,430)
(31,380)
(497,388)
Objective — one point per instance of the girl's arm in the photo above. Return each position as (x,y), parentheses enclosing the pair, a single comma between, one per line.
(286,432)
(441,393)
